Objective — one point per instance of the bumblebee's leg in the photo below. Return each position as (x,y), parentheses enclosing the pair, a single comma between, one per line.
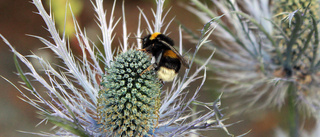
(154,65)
(144,50)
(148,48)
(161,82)
(149,68)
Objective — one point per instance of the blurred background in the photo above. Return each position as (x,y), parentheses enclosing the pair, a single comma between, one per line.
(18,19)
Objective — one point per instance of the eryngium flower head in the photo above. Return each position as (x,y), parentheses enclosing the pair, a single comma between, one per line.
(259,57)
(129,102)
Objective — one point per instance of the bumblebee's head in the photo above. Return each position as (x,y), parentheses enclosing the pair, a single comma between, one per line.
(150,39)
(146,41)
(155,37)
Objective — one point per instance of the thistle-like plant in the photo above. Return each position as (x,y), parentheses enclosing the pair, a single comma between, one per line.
(267,54)
(84,100)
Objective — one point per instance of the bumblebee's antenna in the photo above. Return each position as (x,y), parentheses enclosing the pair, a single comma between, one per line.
(136,37)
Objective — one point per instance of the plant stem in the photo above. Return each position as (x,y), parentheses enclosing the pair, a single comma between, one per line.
(293,118)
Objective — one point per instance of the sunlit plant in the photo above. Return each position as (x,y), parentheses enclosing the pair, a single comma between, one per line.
(113,99)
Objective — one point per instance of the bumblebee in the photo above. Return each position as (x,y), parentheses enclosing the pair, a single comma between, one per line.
(167,58)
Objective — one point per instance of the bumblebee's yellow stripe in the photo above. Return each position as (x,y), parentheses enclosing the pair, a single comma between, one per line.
(154,35)
(170,53)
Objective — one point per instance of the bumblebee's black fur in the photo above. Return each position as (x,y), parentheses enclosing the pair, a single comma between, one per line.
(170,63)
(157,49)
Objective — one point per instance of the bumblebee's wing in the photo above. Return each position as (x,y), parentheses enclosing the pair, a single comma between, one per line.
(159,57)
(183,61)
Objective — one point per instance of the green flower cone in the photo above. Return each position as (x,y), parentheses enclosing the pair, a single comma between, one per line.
(129,102)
